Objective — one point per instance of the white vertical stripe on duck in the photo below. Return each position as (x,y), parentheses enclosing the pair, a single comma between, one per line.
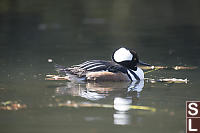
(139,73)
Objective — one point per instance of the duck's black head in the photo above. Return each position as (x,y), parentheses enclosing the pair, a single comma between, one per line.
(127,58)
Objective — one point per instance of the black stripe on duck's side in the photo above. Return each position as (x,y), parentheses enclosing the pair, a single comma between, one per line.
(132,73)
(92,66)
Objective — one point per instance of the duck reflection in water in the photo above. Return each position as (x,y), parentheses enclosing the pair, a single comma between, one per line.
(123,94)
(97,91)
(122,104)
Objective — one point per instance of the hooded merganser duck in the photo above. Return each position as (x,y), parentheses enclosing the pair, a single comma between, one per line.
(123,67)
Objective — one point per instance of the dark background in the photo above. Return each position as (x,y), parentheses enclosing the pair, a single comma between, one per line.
(165,32)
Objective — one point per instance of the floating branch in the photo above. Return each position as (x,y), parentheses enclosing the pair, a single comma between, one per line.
(168,80)
(167,67)
(56,77)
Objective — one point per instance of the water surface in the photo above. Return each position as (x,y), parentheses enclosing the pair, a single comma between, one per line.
(69,32)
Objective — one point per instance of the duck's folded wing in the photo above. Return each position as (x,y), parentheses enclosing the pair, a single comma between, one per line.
(91,66)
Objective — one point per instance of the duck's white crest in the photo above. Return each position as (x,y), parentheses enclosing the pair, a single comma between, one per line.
(122,54)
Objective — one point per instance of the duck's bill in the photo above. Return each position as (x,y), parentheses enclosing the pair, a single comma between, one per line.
(144,64)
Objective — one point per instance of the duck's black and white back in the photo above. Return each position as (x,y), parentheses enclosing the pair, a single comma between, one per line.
(122,68)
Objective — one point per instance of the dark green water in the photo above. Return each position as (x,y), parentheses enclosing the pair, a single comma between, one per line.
(69,32)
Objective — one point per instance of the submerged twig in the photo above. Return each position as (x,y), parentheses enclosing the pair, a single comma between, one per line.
(15,105)
(96,105)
